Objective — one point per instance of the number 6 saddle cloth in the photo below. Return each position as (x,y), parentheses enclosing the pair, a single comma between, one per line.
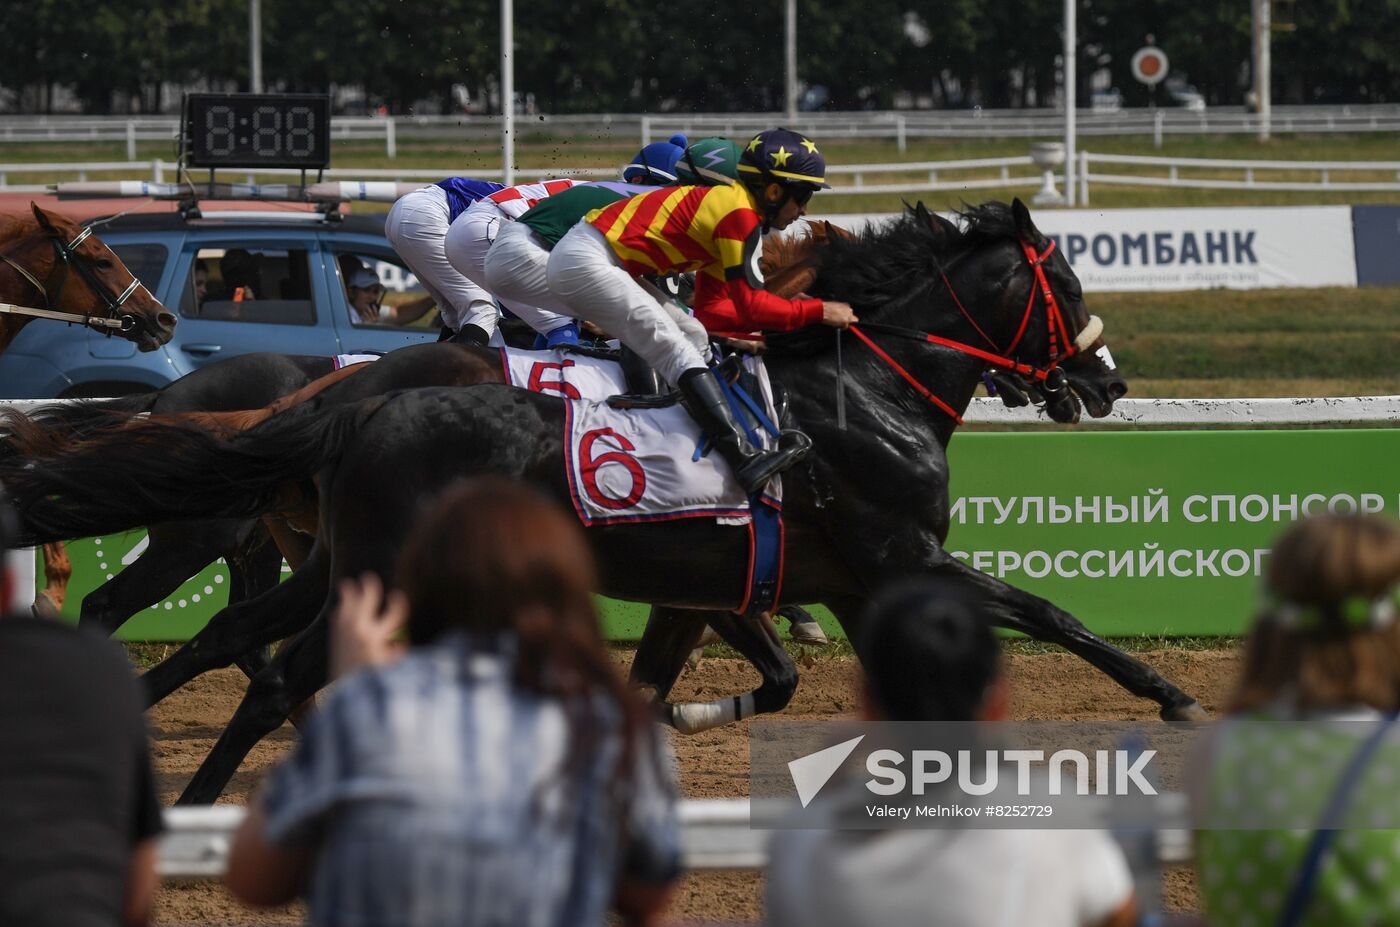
(638,464)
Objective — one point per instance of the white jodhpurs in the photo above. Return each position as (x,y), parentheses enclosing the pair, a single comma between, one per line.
(516,266)
(466,244)
(417,228)
(587,276)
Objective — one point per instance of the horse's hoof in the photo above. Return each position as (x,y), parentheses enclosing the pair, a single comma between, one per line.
(1186,711)
(809,632)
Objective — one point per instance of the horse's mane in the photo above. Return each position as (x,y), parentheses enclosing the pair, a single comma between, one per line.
(887,264)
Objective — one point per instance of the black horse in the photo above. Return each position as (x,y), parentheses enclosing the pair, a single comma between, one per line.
(868,506)
(178,550)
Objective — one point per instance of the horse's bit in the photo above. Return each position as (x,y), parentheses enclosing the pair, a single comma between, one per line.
(68,257)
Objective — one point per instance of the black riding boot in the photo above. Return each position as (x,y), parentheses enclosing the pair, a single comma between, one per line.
(645,388)
(752,466)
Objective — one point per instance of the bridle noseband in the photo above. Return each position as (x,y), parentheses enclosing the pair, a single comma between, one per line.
(66,258)
(1057,333)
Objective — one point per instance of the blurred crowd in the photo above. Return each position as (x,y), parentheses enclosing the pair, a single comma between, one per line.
(480,760)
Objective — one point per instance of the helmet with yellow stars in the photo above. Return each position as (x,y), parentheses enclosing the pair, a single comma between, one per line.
(785,157)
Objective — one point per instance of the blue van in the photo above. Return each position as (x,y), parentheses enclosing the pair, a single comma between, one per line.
(239,282)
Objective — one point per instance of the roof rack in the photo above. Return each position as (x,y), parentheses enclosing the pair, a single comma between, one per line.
(327,191)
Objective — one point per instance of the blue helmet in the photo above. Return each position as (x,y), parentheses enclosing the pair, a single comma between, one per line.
(655,165)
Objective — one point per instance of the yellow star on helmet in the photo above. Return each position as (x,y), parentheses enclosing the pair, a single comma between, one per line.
(753,145)
(780,156)
(810,145)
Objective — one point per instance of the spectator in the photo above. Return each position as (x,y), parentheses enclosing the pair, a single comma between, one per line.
(78,807)
(499,772)
(242,275)
(930,655)
(365,293)
(201,282)
(1325,650)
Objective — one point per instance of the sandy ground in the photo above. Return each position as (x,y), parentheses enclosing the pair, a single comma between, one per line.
(713,764)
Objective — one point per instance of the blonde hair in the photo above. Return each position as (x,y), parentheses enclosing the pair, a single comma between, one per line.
(1310,642)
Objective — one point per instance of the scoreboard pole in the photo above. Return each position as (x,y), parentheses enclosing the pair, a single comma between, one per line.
(255,81)
(507,93)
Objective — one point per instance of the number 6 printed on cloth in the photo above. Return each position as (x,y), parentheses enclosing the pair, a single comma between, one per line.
(590,465)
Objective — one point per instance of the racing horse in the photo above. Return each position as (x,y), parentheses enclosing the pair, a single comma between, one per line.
(179,549)
(869,505)
(39,252)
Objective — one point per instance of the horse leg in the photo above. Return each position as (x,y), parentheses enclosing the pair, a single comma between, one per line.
(280,612)
(173,554)
(290,679)
(58,569)
(667,640)
(252,571)
(1020,611)
(758,641)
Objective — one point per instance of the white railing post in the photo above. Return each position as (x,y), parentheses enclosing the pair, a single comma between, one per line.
(1084,178)
(131,140)
(1158,118)
(391,147)
(646,131)
(157,171)
(900,137)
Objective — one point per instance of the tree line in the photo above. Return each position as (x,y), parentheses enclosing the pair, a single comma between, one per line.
(699,55)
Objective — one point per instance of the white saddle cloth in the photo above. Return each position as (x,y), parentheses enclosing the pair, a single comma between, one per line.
(637,464)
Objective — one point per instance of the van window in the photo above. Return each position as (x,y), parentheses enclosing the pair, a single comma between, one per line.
(241,284)
(379,291)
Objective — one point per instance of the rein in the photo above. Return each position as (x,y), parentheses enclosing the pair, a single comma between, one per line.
(1056,331)
(114,320)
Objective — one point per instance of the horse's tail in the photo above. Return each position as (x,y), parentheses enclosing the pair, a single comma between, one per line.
(66,421)
(169,469)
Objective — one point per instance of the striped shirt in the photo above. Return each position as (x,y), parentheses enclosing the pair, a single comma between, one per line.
(716,232)
(434,792)
(514,201)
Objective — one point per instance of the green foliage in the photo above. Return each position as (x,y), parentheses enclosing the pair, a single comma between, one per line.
(713,55)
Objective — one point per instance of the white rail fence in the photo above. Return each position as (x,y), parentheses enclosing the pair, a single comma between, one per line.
(899,125)
(1127,413)
(715,834)
(851,179)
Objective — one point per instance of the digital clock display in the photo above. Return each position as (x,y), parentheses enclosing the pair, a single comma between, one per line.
(257,130)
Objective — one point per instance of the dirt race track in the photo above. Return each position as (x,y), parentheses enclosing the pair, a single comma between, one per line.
(714,764)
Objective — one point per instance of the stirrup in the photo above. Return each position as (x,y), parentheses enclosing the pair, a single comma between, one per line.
(763,466)
(644,400)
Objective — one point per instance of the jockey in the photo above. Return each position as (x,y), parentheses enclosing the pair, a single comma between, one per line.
(416,226)
(472,233)
(716,232)
(516,263)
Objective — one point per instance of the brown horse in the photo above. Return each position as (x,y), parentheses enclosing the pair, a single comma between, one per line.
(39,253)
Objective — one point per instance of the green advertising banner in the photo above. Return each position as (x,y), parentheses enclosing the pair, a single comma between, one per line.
(1159,533)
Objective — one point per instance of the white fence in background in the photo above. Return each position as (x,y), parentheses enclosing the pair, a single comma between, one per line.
(1181,173)
(715,834)
(1127,413)
(851,179)
(899,125)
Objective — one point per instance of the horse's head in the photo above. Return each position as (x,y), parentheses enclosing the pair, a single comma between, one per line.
(1089,373)
(104,288)
(1018,299)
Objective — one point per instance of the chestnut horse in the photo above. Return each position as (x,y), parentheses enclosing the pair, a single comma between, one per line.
(39,253)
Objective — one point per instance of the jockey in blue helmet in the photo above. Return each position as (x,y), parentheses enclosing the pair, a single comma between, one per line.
(655,164)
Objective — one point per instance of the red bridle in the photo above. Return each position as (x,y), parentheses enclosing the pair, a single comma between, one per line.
(1056,331)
